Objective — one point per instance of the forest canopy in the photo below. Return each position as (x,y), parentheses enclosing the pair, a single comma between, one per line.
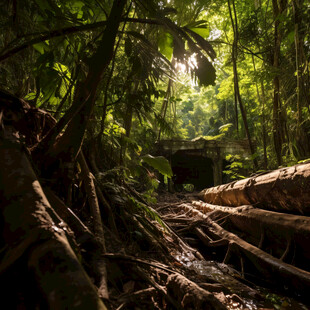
(168,69)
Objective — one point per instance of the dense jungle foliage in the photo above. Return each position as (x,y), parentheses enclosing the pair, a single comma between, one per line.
(87,88)
(164,69)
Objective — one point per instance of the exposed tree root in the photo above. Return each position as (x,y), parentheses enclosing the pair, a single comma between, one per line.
(98,261)
(81,232)
(33,230)
(272,268)
(161,289)
(190,295)
(131,299)
(268,229)
(54,262)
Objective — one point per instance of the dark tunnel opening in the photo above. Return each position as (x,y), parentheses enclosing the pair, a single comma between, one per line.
(192,169)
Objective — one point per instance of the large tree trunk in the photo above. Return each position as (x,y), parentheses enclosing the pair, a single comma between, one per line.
(32,230)
(285,189)
(66,146)
(301,136)
(166,100)
(278,9)
(236,81)
(264,125)
(261,100)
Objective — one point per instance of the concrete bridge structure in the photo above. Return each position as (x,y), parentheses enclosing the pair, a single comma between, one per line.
(200,162)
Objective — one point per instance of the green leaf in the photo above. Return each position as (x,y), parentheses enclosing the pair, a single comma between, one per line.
(77,7)
(200,27)
(202,31)
(146,209)
(200,40)
(159,163)
(217,137)
(291,37)
(165,45)
(30,96)
(304,161)
(62,70)
(148,45)
(41,47)
(224,128)
(205,72)
(197,23)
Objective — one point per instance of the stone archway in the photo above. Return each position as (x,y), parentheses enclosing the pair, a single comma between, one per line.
(200,162)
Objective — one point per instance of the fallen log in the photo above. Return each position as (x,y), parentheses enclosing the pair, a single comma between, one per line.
(32,230)
(283,190)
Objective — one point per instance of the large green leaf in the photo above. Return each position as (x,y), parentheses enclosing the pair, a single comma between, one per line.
(41,47)
(225,128)
(149,47)
(205,71)
(202,31)
(159,163)
(200,27)
(204,44)
(165,44)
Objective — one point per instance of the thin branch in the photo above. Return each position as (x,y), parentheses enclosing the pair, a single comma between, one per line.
(249,51)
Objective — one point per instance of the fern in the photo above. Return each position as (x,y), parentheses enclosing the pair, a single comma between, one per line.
(165,127)
(140,207)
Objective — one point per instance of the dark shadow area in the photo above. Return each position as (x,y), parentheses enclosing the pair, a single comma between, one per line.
(192,169)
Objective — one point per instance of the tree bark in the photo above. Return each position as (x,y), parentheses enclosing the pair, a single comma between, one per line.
(190,295)
(81,232)
(166,101)
(68,145)
(272,268)
(296,11)
(277,124)
(264,125)
(301,136)
(34,231)
(284,190)
(97,226)
(236,81)
(261,100)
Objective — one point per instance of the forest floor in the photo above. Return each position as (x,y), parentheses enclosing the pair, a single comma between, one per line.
(228,282)
(79,238)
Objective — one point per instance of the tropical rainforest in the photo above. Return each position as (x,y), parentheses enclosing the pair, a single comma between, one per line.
(90,217)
